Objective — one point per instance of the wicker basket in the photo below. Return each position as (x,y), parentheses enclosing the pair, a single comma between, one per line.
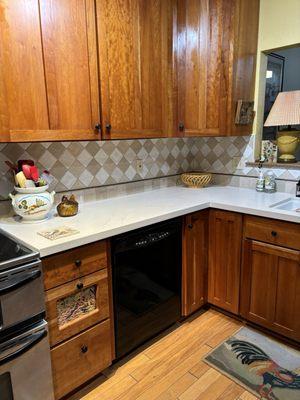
(196,179)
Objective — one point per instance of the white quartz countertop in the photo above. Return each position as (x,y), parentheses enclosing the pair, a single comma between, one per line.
(105,218)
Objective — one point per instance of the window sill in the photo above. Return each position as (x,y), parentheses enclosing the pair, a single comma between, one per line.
(275,165)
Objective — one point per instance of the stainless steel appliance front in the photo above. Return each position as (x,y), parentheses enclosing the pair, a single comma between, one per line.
(25,367)
(21,294)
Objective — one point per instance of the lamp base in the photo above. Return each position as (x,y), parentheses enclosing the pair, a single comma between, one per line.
(287,159)
(287,142)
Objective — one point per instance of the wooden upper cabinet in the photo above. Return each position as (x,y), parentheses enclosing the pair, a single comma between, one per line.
(23,97)
(51,70)
(194,262)
(270,290)
(217,42)
(136,67)
(224,260)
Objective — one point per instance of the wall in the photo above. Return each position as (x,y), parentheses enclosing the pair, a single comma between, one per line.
(78,165)
(278,27)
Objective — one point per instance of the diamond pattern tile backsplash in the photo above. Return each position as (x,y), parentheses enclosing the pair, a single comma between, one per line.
(79,165)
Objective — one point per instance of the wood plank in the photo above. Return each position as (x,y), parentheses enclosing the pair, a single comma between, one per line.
(180,386)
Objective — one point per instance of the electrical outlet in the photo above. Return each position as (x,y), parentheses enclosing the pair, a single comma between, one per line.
(139,165)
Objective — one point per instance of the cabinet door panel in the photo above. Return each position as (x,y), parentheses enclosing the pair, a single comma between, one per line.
(68,34)
(205,34)
(225,239)
(270,294)
(194,274)
(136,67)
(23,98)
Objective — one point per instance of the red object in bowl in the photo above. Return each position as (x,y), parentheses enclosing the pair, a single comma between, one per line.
(26,171)
(34,172)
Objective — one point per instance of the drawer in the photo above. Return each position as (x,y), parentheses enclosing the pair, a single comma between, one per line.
(272,231)
(72,264)
(77,305)
(79,359)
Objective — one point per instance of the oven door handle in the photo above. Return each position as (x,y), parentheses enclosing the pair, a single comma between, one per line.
(21,346)
(15,283)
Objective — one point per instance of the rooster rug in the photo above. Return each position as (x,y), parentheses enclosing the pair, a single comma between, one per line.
(267,368)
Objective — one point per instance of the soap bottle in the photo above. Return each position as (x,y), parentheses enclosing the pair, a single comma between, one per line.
(260,183)
(298,189)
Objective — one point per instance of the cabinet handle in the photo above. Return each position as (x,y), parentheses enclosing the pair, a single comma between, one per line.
(98,127)
(79,286)
(190,226)
(84,349)
(181,126)
(108,127)
(274,233)
(78,263)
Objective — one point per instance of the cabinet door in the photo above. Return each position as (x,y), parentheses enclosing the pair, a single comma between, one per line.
(217,42)
(48,70)
(270,292)
(194,272)
(205,33)
(225,242)
(23,99)
(136,67)
(71,69)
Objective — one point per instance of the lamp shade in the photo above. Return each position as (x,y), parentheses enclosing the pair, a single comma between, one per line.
(285,110)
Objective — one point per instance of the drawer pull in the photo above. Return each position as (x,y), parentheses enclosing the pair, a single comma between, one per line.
(84,349)
(274,233)
(79,286)
(78,263)
(190,226)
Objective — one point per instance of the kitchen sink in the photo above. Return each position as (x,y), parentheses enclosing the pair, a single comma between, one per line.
(291,204)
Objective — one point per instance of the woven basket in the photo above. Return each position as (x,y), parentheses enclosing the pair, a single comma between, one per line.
(196,179)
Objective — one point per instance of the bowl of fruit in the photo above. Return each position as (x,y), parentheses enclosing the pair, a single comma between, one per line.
(31,201)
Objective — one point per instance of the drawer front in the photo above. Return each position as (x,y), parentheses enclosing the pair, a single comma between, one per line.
(79,359)
(285,234)
(72,264)
(77,305)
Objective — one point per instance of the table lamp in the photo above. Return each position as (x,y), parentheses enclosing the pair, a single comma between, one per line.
(286,112)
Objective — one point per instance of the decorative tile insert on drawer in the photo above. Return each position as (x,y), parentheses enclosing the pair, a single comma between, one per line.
(76,305)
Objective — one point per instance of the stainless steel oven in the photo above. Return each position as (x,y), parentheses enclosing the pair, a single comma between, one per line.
(21,294)
(25,365)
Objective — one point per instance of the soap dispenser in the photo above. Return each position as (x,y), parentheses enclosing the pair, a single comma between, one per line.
(260,183)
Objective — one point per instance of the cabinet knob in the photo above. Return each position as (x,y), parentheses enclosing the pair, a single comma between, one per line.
(84,349)
(190,226)
(98,127)
(108,127)
(79,286)
(274,233)
(181,126)
(78,263)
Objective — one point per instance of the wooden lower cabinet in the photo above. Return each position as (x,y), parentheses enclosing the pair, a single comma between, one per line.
(194,267)
(80,358)
(270,290)
(77,305)
(225,241)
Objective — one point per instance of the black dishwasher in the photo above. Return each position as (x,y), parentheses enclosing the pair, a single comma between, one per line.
(146,269)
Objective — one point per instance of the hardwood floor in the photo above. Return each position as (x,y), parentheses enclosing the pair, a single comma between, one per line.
(170,367)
